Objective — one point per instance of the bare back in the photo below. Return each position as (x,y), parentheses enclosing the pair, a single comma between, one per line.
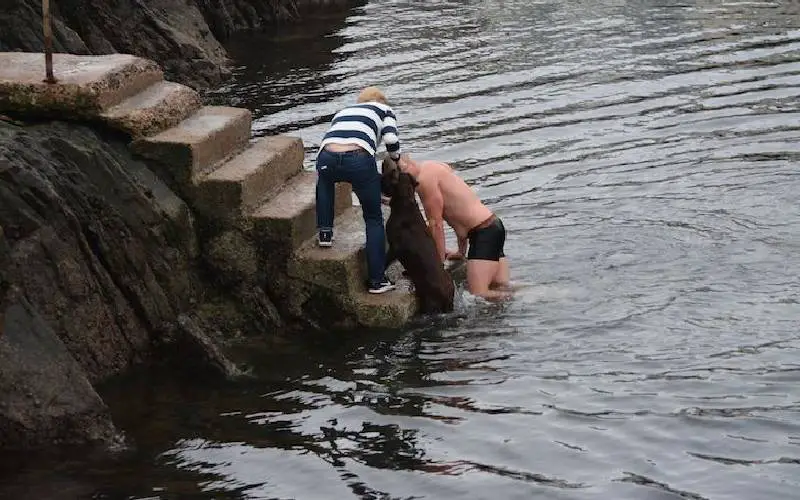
(463,210)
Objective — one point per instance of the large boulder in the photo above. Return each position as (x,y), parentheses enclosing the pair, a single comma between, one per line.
(184,36)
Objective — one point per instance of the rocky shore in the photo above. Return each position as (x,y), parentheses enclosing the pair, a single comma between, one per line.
(99,271)
(186,37)
(100,264)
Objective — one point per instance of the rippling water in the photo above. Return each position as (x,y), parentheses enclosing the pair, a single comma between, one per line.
(644,156)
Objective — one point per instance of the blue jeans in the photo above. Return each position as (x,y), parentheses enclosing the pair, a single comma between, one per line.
(359,169)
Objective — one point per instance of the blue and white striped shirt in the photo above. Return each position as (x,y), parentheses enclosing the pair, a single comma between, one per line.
(365,125)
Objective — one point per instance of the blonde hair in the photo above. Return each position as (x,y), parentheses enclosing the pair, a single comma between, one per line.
(372,94)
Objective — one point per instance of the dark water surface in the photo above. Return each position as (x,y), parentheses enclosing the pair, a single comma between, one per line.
(644,156)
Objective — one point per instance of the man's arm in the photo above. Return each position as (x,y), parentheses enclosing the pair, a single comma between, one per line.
(462,246)
(462,249)
(433,203)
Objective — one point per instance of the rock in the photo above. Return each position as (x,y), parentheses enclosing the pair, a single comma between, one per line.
(90,247)
(102,260)
(233,258)
(198,351)
(46,397)
(183,36)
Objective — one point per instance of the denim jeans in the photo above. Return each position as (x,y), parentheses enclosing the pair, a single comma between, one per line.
(359,169)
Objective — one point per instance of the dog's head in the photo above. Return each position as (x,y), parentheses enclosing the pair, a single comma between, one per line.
(396,184)
(390,173)
(405,186)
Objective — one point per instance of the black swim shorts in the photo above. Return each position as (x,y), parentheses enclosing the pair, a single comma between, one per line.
(486,241)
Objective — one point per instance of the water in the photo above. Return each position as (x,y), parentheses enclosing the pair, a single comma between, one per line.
(644,157)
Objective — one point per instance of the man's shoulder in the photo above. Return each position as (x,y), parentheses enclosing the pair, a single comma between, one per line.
(428,180)
(434,166)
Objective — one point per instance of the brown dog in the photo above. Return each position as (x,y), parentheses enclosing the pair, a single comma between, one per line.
(411,243)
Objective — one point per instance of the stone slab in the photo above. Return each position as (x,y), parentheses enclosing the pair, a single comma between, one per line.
(250,177)
(87,84)
(153,110)
(290,217)
(390,310)
(342,267)
(195,145)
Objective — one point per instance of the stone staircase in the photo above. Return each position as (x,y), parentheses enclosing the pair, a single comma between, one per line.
(258,189)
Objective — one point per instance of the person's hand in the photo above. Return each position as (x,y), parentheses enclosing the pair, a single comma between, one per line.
(451,255)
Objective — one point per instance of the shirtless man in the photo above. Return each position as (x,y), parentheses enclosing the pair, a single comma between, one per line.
(447,198)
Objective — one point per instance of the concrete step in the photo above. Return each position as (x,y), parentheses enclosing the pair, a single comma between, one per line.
(289,218)
(388,310)
(156,108)
(195,145)
(86,84)
(247,179)
(342,267)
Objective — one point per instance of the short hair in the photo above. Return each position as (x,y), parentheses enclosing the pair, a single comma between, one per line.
(372,94)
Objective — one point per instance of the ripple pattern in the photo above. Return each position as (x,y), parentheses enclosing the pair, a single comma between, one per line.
(644,156)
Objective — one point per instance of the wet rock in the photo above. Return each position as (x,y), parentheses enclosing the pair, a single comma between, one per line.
(89,246)
(233,258)
(199,352)
(46,396)
(102,261)
(183,36)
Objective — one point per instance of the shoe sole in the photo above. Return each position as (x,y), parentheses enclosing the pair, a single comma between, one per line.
(382,290)
(324,245)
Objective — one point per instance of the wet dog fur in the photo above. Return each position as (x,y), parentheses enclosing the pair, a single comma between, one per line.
(411,243)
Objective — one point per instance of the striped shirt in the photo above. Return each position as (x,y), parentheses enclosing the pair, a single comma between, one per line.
(366,125)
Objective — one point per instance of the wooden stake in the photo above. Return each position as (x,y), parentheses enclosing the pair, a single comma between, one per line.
(48,42)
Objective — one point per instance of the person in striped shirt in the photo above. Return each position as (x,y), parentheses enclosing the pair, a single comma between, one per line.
(347,154)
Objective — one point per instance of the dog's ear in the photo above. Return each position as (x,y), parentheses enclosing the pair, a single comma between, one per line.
(389,166)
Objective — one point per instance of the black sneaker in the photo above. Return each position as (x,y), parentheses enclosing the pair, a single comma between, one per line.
(325,239)
(381,286)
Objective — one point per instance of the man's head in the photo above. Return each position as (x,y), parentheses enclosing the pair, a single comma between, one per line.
(406,164)
(372,94)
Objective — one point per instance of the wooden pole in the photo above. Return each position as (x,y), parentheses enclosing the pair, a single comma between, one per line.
(48,42)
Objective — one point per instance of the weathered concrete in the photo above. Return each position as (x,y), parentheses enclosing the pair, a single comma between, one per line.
(242,183)
(342,267)
(390,310)
(156,108)
(87,85)
(233,256)
(195,145)
(290,216)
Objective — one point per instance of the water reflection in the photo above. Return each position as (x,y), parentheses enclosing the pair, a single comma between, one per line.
(283,67)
